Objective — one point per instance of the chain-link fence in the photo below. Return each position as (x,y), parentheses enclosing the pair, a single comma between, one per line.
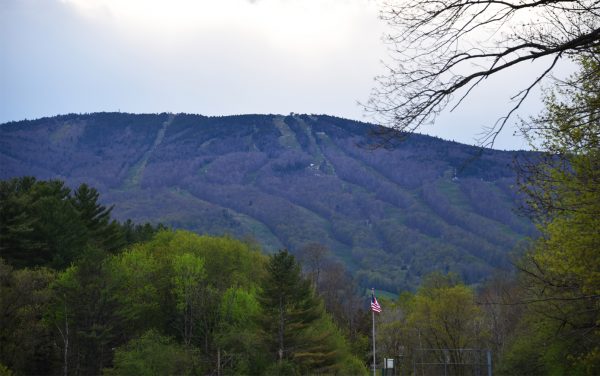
(442,362)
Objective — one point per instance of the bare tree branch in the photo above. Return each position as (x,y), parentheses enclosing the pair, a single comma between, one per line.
(441,49)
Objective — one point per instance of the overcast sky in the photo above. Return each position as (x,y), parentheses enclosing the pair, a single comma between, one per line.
(211,57)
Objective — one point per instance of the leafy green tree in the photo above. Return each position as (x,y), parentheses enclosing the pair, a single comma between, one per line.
(560,272)
(187,280)
(167,306)
(238,335)
(135,277)
(442,317)
(85,313)
(100,303)
(447,317)
(395,335)
(153,355)
(226,264)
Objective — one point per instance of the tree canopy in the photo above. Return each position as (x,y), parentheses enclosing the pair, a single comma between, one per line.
(45,223)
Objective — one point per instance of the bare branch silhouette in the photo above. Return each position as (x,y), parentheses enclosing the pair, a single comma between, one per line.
(442,50)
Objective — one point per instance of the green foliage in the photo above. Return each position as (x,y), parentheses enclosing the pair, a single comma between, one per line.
(238,335)
(188,275)
(44,223)
(86,313)
(226,261)
(239,307)
(535,350)
(136,275)
(300,336)
(447,317)
(162,306)
(105,233)
(441,316)
(136,233)
(283,368)
(288,305)
(153,355)
(26,342)
(5,371)
(39,224)
(205,288)
(561,270)
(101,302)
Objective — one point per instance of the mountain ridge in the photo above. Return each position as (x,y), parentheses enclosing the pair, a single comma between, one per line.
(391,214)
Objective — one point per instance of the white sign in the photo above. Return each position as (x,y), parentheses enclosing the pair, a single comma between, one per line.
(388,363)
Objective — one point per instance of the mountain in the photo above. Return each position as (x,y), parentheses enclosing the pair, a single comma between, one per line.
(391,214)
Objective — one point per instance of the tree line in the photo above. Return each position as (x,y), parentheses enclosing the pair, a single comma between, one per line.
(83,294)
(45,223)
(178,304)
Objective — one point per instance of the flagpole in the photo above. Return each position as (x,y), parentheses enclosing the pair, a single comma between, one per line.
(374,361)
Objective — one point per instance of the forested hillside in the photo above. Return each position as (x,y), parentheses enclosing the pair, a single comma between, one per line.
(391,214)
(82,294)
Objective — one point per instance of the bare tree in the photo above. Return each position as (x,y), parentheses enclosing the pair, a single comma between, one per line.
(312,257)
(442,50)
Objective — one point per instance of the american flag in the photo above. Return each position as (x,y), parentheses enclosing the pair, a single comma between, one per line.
(375,307)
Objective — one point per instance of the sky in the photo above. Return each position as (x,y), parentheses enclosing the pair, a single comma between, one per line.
(214,57)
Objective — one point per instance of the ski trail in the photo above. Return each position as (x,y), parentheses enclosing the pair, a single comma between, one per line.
(135,175)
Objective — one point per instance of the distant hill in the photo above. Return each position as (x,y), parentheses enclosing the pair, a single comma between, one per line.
(390,215)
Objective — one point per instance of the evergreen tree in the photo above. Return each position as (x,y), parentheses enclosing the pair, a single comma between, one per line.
(26,345)
(290,308)
(17,224)
(39,224)
(43,223)
(139,233)
(105,233)
(94,215)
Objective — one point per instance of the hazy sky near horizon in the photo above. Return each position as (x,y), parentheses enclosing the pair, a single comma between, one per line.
(214,58)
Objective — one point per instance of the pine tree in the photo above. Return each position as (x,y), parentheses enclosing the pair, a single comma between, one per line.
(291,311)
(39,225)
(17,224)
(105,233)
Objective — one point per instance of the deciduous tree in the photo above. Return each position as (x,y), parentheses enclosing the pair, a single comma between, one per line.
(560,271)
(153,355)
